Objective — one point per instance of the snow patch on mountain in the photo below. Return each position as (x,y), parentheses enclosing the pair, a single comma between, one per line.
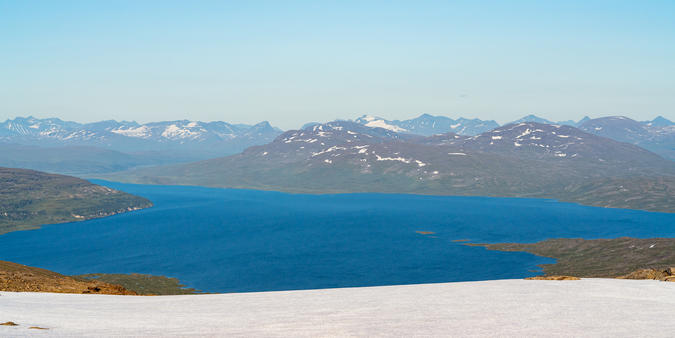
(376,122)
(140,132)
(175,132)
(195,140)
(428,125)
(400,159)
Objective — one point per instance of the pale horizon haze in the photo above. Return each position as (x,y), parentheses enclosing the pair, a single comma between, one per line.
(295,62)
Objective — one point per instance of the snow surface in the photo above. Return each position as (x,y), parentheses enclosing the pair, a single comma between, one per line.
(515,308)
(173,131)
(384,125)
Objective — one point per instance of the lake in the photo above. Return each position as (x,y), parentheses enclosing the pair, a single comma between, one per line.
(229,240)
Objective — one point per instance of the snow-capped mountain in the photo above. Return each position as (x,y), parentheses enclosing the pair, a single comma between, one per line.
(377,122)
(194,139)
(557,141)
(346,143)
(524,159)
(30,126)
(428,125)
(657,135)
(537,119)
(322,141)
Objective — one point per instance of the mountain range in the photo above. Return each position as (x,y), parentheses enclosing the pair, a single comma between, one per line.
(184,137)
(534,118)
(428,125)
(112,146)
(657,135)
(72,148)
(526,159)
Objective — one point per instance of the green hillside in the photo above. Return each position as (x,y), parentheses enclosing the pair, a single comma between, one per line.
(30,198)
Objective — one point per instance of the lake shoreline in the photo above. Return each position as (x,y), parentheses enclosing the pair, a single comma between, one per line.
(225,240)
(21,278)
(623,258)
(619,257)
(299,191)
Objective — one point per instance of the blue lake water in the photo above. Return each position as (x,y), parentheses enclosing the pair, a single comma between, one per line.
(225,240)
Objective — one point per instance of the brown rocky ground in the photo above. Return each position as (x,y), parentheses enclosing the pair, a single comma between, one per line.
(20,278)
(143,284)
(553,278)
(666,275)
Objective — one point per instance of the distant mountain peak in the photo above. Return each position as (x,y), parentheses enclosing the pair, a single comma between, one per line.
(376,122)
(533,118)
(582,121)
(263,124)
(427,124)
(309,124)
(368,118)
(660,121)
(648,135)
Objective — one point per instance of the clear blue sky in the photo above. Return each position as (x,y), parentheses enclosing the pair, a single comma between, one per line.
(291,62)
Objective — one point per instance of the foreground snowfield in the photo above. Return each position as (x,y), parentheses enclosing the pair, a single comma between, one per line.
(589,307)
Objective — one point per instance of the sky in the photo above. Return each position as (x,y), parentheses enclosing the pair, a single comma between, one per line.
(291,62)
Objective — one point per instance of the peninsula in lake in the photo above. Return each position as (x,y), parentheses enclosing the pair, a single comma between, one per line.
(29,199)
